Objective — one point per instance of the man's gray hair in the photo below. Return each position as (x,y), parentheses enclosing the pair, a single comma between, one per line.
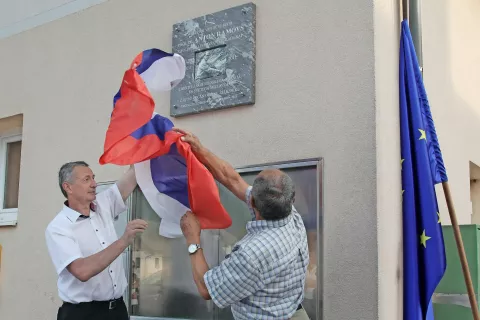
(66,171)
(273,195)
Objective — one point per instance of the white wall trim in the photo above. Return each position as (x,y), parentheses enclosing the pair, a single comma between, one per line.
(47,16)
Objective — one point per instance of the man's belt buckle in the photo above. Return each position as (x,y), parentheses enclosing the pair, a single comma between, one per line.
(112,304)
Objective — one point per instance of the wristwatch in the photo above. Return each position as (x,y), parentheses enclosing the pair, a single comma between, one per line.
(193,248)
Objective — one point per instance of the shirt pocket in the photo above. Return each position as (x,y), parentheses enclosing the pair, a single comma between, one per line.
(106,228)
(94,239)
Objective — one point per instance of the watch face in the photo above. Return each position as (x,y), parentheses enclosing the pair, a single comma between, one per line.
(192,248)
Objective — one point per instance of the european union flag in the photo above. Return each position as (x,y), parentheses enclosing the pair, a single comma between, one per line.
(422,168)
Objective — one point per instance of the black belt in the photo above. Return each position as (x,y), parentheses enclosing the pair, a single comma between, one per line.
(109,304)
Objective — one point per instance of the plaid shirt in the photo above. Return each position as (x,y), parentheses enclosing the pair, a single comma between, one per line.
(264,276)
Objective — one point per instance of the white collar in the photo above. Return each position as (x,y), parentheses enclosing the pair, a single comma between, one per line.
(73,215)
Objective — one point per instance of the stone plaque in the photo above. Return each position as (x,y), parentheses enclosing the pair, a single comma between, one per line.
(219,51)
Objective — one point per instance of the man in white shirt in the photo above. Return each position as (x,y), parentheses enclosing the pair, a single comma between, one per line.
(84,247)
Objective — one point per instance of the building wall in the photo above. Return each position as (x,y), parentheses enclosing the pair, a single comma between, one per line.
(451,55)
(315,98)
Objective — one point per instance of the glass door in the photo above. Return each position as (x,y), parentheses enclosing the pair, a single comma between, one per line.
(161,278)
(307,178)
(162,285)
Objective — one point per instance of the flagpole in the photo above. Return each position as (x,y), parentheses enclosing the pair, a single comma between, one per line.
(415,23)
(461,251)
(411,12)
(405,10)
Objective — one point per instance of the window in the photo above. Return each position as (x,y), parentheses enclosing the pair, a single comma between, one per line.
(10,156)
(162,282)
(308,187)
(167,291)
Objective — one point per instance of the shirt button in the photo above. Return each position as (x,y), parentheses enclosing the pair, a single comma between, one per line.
(111,271)
(115,286)
(103,242)
(96,230)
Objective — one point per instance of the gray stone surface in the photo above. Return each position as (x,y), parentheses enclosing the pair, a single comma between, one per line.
(219,51)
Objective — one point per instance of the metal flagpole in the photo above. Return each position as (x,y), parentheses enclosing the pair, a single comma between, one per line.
(415,24)
(412,12)
(405,10)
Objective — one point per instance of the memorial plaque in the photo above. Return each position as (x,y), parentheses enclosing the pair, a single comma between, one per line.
(219,52)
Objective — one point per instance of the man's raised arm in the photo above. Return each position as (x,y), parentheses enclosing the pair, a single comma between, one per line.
(127,183)
(221,170)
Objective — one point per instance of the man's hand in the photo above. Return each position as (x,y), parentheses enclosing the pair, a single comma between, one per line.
(133,227)
(86,268)
(190,228)
(221,170)
(191,139)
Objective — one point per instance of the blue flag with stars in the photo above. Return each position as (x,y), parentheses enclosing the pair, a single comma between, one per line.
(424,258)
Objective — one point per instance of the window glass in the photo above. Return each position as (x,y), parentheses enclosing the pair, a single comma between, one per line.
(162,281)
(162,285)
(306,196)
(12,174)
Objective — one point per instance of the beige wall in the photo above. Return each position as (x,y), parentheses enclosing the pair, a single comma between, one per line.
(315,66)
(451,54)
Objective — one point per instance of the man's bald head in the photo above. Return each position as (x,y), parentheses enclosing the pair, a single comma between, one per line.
(273,194)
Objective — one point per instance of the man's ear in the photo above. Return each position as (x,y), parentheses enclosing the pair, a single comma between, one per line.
(66,187)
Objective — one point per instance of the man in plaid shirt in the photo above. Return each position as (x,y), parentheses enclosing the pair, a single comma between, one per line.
(264,276)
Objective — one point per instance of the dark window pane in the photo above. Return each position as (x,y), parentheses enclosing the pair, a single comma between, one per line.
(162,283)
(12,175)
(306,198)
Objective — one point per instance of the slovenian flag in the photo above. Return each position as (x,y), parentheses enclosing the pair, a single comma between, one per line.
(170,176)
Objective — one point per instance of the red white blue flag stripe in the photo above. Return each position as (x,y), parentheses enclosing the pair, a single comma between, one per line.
(170,176)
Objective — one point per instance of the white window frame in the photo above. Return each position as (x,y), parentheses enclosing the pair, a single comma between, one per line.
(8,217)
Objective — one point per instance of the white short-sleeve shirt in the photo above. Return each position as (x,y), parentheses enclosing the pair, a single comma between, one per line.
(70,237)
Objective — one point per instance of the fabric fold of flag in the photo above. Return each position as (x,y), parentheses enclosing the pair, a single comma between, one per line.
(422,168)
(170,176)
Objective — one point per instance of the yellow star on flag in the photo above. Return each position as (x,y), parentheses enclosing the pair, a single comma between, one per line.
(423,239)
(439,220)
(423,135)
